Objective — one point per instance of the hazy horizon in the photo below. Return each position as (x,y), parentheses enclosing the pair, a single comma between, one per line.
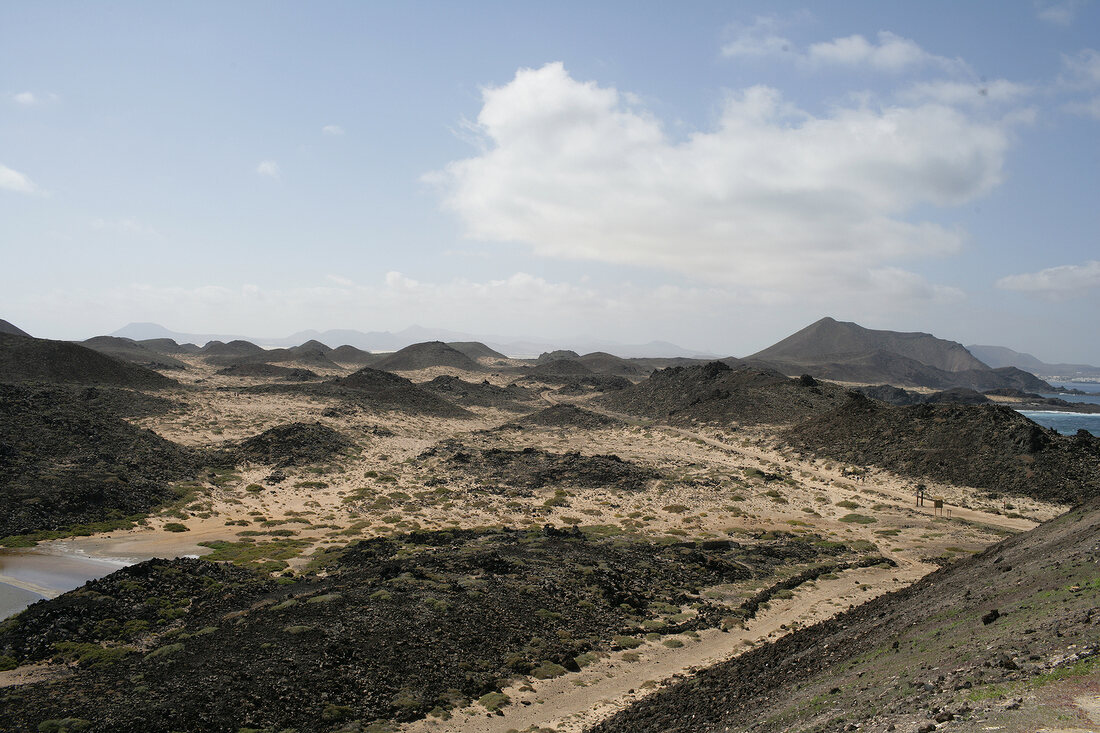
(716,177)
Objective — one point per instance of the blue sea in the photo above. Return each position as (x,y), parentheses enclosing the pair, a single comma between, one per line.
(1068,423)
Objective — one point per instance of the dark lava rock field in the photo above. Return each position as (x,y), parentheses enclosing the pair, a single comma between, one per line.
(389,629)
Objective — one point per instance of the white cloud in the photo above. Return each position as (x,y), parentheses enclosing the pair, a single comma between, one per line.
(1090,108)
(892,54)
(332,130)
(269,168)
(1061,281)
(1082,71)
(340,280)
(30,99)
(1058,13)
(756,40)
(124,225)
(774,200)
(13,180)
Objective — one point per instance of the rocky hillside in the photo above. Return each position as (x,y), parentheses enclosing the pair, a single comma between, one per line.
(985,446)
(11,328)
(133,352)
(393,630)
(716,392)
(67,457)
(26,359)
(1006,640)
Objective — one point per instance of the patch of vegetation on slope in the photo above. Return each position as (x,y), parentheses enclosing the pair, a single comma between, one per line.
(983,446)
(983,642)
(715,392)
(65,460)
(393,628)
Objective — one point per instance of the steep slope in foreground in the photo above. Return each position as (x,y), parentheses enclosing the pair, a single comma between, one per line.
(716,392)
(826,339)
(25,359)
(1006,640)
(984,446)
(11,328)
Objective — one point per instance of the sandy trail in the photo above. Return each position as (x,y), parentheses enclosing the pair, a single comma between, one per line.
(576,701)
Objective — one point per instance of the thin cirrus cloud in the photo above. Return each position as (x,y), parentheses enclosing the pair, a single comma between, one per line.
(1061,281)
(269,169)
(774,200)
(888,53)
(13,180)
(30,99)
(333,130)
(1058,13)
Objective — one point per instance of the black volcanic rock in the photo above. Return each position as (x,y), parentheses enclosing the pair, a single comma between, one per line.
(555,355)
(263,369)
(480,394)
(295,444)
(569,416)
(984,446)
(715,392)
(558,368)
(67,457)
(26,359)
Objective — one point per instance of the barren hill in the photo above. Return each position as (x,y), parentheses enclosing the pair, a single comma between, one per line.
(984,446)
(12,329)
(377,390)
(26,359)
(717,392)
(600,362)
(350,355)
(828,339)
(425,355)
(168,346)
(482,394)
(233,348)
(132,352)
(1005,640)
(476,350)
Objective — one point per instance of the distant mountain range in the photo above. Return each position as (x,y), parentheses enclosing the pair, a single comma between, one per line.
(999,356)
(389,341)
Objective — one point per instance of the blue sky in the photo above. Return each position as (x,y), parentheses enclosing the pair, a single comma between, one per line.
(712,174)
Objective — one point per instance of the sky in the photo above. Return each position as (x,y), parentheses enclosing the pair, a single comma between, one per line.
(713,174)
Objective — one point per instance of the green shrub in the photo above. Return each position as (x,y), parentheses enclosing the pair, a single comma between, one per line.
(175,527)
(626,642)
(64,725)
(494,701)
(548,670)
(858,519)
(7,663)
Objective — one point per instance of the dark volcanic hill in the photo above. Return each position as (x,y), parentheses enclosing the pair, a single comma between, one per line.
(350,355)
(168,346)
(295,444)
(12,329)
(263,370)
(999,356)
(1003,640)
(66,457)
(984,446)
(26,359)
(377,390)
(569,416)
(558,368)
(476,350)
(899,396)
(481,394)
(715,392)
(425,355)
(132,352)
(600,362)
(233,348)
(828,339)
(847,352)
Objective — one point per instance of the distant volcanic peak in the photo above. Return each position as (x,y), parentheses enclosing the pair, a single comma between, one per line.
(426,355)
(829,340)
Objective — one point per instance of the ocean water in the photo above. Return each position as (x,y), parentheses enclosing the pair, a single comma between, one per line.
(1066,423)
(27,576)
